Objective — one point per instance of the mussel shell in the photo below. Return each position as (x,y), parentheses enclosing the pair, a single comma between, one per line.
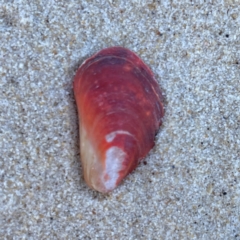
(120,108)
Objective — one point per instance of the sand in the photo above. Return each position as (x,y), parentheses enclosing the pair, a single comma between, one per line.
(188,187)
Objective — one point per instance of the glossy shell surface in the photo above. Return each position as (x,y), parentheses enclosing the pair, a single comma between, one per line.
(120,109)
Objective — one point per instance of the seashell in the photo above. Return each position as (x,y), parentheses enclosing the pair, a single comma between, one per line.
(120,109)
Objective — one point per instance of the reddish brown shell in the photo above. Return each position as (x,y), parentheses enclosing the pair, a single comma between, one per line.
(120,109)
